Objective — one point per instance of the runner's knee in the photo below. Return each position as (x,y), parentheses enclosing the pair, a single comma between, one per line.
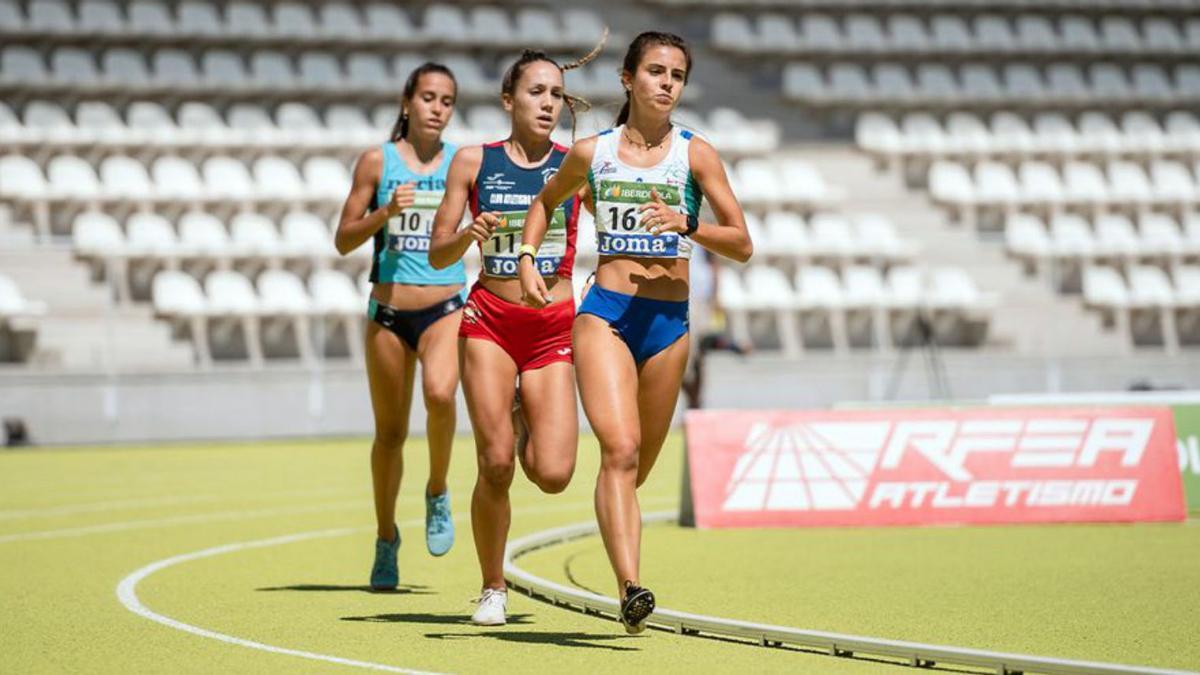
(496,468)
(390,438)
(439,395)
(621,455)
(555,480)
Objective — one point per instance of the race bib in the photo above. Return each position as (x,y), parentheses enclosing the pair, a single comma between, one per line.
(619,229)
(500,251)
(410,231)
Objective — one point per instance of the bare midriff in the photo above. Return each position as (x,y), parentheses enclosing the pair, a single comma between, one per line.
(657,279)
(510,289)
(410,296)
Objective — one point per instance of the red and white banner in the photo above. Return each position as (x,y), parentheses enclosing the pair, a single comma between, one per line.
(932,466)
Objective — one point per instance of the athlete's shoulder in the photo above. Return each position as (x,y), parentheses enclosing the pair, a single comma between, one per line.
(372,154)
(468,158)
(587,143)
(370,161)
(699,148)
(469,153)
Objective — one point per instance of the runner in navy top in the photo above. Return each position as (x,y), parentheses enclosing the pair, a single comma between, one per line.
(502,341)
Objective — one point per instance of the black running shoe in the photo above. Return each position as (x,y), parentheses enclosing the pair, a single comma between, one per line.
(636,608)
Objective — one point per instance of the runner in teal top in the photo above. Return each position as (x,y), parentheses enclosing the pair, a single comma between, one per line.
(402,247)
(414,309)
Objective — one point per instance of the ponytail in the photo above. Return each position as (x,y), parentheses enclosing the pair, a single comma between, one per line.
(623,115)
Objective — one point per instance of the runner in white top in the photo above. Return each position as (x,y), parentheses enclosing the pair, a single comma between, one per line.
(630,337)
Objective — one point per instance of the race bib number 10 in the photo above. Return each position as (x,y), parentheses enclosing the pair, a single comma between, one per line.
(500,251)
(619,229)
(410,231)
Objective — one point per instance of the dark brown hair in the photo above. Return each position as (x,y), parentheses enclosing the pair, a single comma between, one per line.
(633,59)
(400,129)
(575,104)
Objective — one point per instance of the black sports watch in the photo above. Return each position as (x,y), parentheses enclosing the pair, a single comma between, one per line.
(693,224)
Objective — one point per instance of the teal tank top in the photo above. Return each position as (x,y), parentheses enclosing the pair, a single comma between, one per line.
(402,245)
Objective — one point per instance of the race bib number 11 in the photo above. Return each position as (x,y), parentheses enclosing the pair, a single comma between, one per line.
(500,251)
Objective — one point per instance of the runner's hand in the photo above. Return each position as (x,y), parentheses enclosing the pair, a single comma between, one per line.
(403,197)
(660,218)
(481,228)
(533,287)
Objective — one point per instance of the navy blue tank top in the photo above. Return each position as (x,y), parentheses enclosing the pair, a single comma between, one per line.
(502,186)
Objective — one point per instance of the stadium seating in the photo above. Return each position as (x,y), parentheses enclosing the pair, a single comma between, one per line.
(18,321)
(200,149)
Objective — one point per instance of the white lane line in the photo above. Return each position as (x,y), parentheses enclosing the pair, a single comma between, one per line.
(122,504)
(127,593)
(127,588)
(122,526)
(835,644)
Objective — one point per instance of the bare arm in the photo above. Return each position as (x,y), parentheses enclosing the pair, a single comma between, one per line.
(449,244)
(571,176)
(356,224)
(728,236)
(585,197)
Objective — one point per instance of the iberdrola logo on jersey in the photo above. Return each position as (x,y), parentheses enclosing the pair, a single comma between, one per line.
(637,193)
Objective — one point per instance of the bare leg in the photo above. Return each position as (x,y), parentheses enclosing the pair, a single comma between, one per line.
(438,351)
(390,368)
(659,381)
(608,386)
(489,378)
(548,400)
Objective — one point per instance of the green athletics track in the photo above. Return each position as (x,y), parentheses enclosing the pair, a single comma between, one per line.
(75,522)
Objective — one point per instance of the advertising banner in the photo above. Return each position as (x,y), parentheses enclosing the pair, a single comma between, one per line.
(931,466)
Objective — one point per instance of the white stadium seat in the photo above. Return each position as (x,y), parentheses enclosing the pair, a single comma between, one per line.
(279,178)
(73,179)
(175,177)
(126,178)
(203,235)
(95,234)
(226,177)
(284,303)
(21,178)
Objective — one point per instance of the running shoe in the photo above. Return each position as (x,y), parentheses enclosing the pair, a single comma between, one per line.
(439,527)
(385,574)
(636,608)
(490,611)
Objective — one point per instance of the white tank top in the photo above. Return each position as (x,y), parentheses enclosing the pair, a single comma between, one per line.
(619,189)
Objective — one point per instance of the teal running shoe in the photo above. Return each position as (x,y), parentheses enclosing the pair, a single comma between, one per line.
(439,528)
(385,574)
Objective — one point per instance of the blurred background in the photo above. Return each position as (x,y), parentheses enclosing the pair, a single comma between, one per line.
(949,199)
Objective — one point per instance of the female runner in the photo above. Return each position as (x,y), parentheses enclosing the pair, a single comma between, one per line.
(647,178)
(414,308)
(502,341)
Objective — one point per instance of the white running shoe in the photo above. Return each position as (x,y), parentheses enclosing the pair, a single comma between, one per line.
(490,611)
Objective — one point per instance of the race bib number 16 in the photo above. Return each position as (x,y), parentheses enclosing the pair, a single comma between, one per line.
(619,229)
